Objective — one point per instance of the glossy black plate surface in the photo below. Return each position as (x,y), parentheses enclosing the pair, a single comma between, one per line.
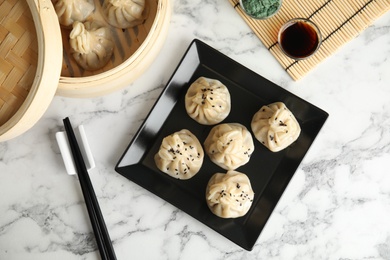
(269,172)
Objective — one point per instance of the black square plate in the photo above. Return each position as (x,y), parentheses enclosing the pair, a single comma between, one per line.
(269,172)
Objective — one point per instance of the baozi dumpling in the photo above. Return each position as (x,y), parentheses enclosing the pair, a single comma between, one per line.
(124,13)
(229,145)
(207,101)
(92,45)
(229,195)
(275,126)
(70,11)
(180,155)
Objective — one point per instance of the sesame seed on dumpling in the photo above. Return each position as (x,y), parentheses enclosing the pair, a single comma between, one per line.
(275,126)
(229,195)
(180,155)
(207,101)
(229,145)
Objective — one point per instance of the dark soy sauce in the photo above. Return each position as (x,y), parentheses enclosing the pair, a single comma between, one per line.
(299,40)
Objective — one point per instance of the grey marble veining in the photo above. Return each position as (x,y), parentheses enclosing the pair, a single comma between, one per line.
(337,205)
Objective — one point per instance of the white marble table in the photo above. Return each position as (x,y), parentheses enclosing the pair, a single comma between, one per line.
(337,205)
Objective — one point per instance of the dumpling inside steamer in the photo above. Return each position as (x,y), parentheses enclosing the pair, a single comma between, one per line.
(180,155)
(70,11)
(229,145)
(207,101)
(125,13)
(275,126)
(229,195)
(92,45)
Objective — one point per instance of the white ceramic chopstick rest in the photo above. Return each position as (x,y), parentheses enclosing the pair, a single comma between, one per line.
(66,153)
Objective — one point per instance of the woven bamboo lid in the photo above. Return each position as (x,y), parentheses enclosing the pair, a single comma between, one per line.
(29,63)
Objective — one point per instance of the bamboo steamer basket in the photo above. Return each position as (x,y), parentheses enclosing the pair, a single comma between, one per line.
(131,58)
(35,63)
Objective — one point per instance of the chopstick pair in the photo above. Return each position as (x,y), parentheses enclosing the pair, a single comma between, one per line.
(99,227)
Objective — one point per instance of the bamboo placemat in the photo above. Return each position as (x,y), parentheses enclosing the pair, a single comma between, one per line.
(339,21)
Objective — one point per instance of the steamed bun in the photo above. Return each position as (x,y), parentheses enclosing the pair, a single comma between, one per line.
(229,195)
(229,145)
(180,155)
(275,126)
(91,44)
(207,101)
(124,13)
(70,11)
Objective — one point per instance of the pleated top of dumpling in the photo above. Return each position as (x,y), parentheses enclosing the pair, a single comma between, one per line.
(180,155)
(92,45)
(207,101)
(70,11)
(125,13)
(229,145)
(275,126)
(229,195)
